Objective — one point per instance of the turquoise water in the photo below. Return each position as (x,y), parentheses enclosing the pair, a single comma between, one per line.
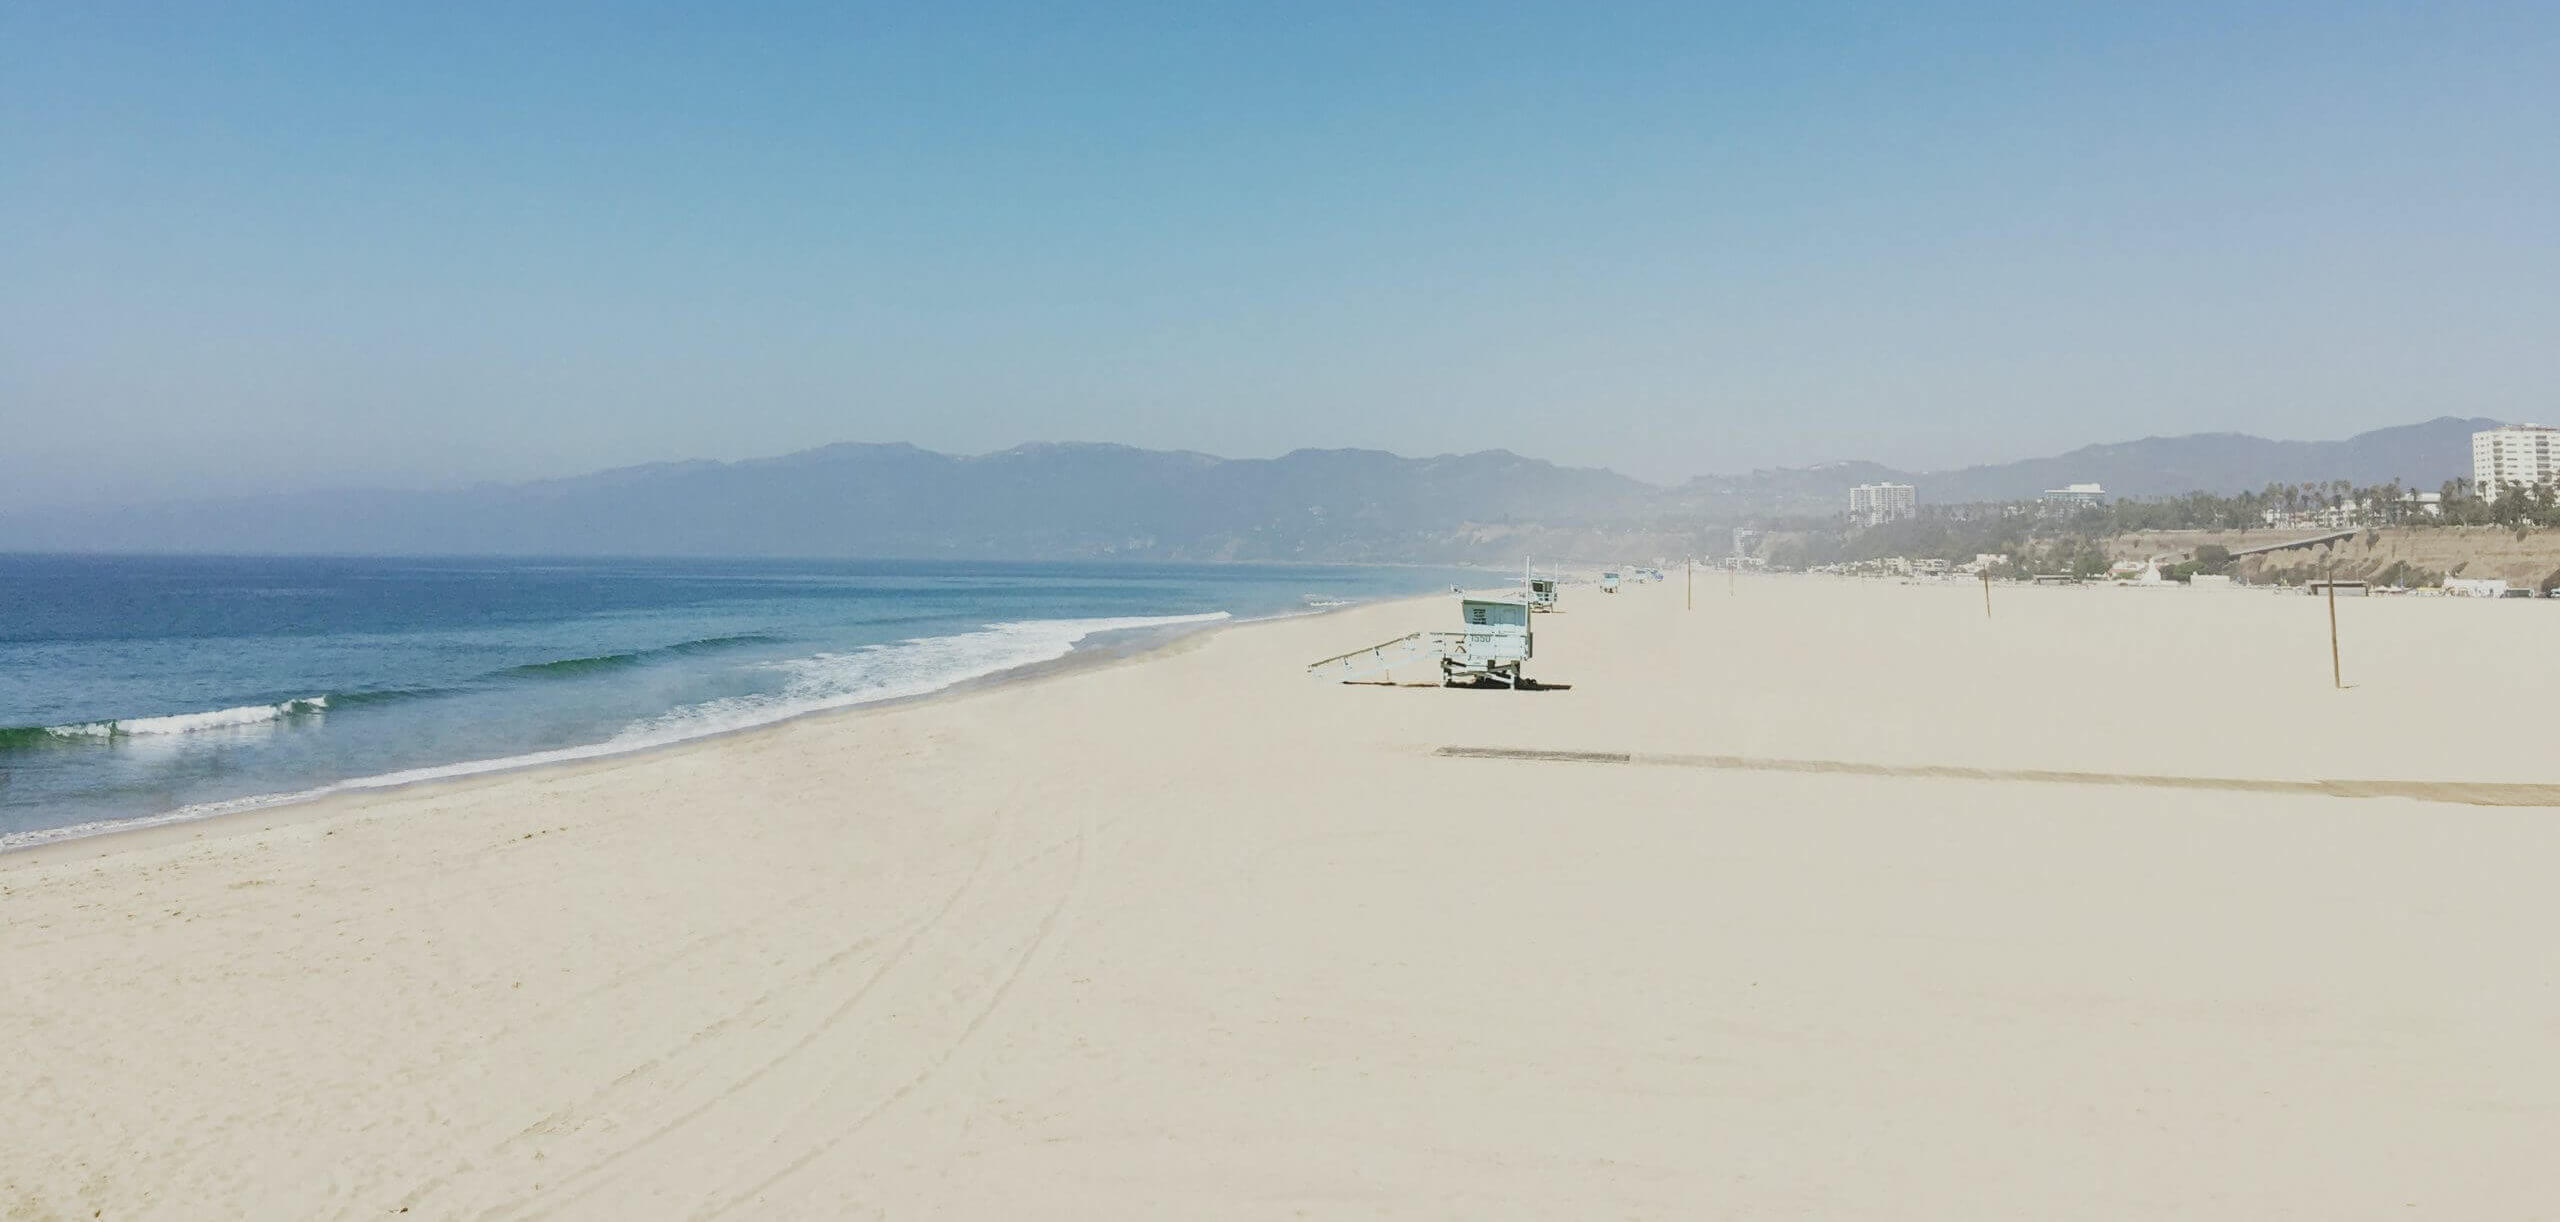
(159,687)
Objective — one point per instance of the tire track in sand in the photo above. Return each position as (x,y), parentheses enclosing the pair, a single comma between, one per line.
(996,997)
(586,1180)
(2467,793)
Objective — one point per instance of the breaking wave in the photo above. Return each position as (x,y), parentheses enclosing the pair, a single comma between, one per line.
(176,723)
(813,684)
(874,673)
(22,738)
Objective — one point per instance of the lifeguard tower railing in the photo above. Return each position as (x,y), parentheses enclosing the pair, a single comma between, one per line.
(1494,643)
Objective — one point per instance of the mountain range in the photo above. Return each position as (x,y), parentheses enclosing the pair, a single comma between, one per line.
(1067,501)
(2418,455)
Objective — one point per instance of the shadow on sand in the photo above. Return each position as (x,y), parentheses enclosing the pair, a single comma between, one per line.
(1526,685)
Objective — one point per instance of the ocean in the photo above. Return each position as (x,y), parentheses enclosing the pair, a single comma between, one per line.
(147,689)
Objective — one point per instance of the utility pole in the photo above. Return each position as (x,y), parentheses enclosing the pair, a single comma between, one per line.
(2337,673)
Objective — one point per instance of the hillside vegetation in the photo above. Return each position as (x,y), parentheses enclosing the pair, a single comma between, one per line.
(2388,555)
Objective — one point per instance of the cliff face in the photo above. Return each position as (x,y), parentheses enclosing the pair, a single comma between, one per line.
(2396,555)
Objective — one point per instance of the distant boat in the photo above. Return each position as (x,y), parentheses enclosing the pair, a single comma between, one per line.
(1319,600)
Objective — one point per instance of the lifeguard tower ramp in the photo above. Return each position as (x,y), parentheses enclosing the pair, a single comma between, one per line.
(1493,645)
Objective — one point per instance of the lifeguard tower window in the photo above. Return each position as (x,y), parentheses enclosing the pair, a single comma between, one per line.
(1478,616)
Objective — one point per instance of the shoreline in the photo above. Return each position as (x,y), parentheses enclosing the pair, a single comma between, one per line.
(1188,934)
(146,831)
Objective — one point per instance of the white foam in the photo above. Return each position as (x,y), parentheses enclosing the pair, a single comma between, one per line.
(219,719)
(915,667)
(86,729)
(190,723)
(826,681)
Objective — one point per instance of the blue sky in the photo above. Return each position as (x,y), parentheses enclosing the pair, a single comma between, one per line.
(257,246)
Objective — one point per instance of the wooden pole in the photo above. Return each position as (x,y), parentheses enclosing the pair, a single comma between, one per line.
(2337,673)
(1986,593)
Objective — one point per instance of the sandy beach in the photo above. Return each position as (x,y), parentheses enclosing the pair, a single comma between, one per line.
(1810,927)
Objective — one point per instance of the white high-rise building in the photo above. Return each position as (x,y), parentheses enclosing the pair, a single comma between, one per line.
(1877,504)
(2525,454)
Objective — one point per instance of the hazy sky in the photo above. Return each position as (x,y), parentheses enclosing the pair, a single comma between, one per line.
(250,245)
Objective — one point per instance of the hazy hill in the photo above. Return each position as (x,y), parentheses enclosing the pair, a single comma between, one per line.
(1815,490)
(1070,501)
(1033,501)
(2422,455)
(2419,455)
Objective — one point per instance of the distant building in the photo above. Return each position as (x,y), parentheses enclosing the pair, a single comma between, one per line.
(2525,454)
(2077,494)
(1877,504)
